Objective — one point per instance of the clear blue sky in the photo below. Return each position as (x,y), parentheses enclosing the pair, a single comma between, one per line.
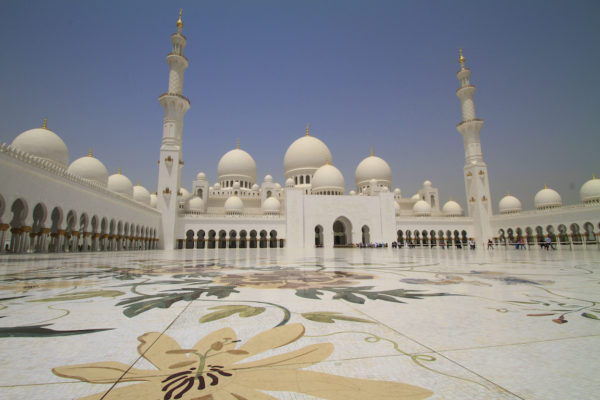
(363,73)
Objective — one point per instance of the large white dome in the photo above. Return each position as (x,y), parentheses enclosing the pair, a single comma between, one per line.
(509,204)
(121,184)
(307,152)
(590,191)
(89,167)
(234,205)
(452,209)
(422,208)
(328,178)
(43,143)
(373,167)
(547,198)
(141,194)
(271,206)
(237,163)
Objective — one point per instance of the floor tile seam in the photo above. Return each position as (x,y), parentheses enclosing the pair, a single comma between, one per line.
(517,343)
(41,384)
(142,355)
(433,351)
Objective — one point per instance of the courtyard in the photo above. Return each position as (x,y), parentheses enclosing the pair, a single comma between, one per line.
(375,323)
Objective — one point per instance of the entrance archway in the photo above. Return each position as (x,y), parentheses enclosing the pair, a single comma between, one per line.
(366,236)
(342,232)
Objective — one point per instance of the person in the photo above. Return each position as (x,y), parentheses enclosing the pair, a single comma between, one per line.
(490,244)
(548,243)
(471,244)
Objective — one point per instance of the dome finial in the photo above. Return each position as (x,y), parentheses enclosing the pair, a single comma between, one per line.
(307,131)
(508,193)
(371,151)
(593,176)
(180,21)
(450,198)
(237,144)
(327,161)
(91,153)
(45,123)
(545,186)
(139,183)
(461,58)
(119,171)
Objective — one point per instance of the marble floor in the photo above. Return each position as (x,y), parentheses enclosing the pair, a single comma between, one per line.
(289,324)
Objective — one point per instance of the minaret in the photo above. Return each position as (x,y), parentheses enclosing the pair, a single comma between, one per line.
(476,177)
(170,162)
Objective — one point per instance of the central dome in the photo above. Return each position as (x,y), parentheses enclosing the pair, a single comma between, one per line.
(237,164)
(306,153)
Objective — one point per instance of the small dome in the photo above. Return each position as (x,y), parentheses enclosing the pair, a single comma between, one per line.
(277,185)
(385,189)
(141,194)
(201,176)
(427,184)
(397,208)
(289,183)
(509,204)
(328,178)
(352,193)
(196,204)
(307,152)
(376,168)
(185,195)
(119,183)
(547,198)
(234,205)
(452,209)
(154,200)
(217,186)
(255,187)
(422,208)
(415,197)
(590,191)
(89,167)
(271,206)
(43,143)
(237,163)
(397,192)
(268,178)
(236,185)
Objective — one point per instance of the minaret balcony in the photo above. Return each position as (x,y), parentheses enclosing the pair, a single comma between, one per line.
(465,90)
(167,94)
(475,121)
(177,60)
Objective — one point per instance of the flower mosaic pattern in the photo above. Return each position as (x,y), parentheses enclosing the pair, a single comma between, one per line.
(293,279)
(215,369)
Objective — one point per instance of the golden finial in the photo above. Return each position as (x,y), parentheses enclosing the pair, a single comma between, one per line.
(461,58)
(327,161)
(91,153)
(545,186)
(594,176)
(119,171)
(45,123)
(237,145)
(371,151)
(450,198)
(307,134)
(180,21)
(507,193)
(139,184)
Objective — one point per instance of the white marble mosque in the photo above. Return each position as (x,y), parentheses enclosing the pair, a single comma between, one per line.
(51,203)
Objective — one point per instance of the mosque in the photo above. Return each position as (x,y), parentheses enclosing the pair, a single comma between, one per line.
(49,203)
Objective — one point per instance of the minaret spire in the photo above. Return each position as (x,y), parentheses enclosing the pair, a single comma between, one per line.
(170,161)
(476,177)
